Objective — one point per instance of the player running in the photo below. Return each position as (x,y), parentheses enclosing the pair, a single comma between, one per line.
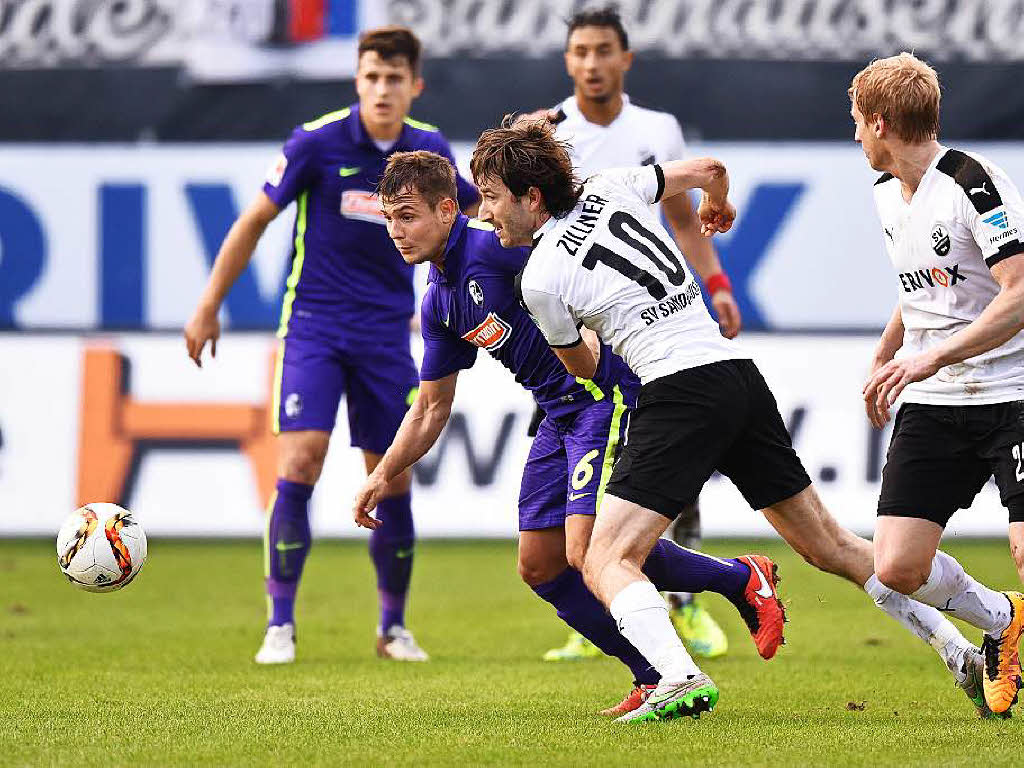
(344,325)
(601,259)
(471,304)
(604,129)
(952,222)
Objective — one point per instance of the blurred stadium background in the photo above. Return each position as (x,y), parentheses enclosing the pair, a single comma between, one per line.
(133,131)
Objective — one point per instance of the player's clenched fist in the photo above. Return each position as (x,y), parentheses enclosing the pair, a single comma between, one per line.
(203,327)
(715,215)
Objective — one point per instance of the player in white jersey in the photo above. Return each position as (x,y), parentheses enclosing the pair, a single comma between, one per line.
(953,349)
(606,130)
(600,259)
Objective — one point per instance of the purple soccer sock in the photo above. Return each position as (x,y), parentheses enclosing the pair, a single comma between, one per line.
(578,608)
(287,544)
(391,549)
(672,568)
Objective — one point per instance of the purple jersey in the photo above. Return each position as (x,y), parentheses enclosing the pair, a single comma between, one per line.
(473,304)
(347,277)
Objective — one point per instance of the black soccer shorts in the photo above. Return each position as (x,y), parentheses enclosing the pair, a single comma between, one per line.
(940,456)
(720,416)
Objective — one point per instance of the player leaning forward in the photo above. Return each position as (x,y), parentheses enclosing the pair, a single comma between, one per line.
(603,261)
(952,223)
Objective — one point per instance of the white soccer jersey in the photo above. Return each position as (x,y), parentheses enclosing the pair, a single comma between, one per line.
(965,216)
(637,136)
(609,265)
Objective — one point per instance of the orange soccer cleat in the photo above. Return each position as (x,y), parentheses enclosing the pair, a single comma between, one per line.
(1002,664)
(763,612)
(634,700)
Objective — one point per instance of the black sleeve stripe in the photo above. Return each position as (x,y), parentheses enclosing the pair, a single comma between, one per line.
(558,117)
(576,343)
(661,182)
(519,290)
(1006,250)
(972,178)
(884,178)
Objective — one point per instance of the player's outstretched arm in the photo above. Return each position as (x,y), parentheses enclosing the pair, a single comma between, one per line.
(235,253)
(419,431)
(1001,320)
(888,345)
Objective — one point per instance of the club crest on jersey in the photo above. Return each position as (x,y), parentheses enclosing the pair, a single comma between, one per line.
(361,205)
(491,334)
(476,293)
(940,239)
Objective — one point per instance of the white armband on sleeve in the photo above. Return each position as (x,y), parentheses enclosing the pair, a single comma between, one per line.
(552,317)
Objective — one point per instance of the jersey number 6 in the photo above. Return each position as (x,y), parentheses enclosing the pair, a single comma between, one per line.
(617,226)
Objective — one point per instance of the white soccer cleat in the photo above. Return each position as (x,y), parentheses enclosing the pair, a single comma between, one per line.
(399,644)
(688,698)
(278,645)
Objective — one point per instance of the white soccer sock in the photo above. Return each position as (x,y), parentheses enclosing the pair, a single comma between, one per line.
(643,619)
(925,622)
(954,591)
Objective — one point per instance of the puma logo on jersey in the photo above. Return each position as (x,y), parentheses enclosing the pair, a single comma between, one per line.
(943,277)
(491,334)
(979,190)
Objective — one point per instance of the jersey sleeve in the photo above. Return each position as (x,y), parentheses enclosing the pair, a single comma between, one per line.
(647,182)
(995,215)
(676,149)
(548,312)
(467,192)
(293,170)
(444,353)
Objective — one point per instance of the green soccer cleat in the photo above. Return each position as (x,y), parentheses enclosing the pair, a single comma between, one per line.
(576,648)
(699,631)
(673,700)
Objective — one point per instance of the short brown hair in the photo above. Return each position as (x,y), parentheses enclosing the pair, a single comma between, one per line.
(526,154)
(390,42)
(427,173)
(905,91)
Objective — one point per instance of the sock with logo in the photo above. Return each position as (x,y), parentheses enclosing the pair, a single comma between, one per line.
(642,618)
(925,622)
(955,592)
(391,549)
(578,608)
(287,544)
(672,568)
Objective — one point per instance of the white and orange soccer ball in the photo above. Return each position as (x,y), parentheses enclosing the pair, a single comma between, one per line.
(100,548)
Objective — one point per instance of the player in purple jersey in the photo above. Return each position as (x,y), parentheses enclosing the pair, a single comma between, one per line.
(344,325)
(471,303)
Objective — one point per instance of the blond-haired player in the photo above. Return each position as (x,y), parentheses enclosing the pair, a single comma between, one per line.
(953,349)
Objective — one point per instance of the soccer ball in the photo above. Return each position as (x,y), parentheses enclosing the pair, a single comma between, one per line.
(100,548)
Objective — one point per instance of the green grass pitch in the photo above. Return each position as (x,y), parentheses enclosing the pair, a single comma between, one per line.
(162,673)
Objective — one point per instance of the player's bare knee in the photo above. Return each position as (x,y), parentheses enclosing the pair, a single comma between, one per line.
(535,571)
(905,578)
(301,460)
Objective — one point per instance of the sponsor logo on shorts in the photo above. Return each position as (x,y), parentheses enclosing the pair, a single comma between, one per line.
(933,277)
(293,405)
(276,170)
(491,334)
(361,205)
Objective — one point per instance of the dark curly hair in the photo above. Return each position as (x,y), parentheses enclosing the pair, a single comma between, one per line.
(524,154)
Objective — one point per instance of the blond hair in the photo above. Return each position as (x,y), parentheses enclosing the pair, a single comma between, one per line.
(902,89)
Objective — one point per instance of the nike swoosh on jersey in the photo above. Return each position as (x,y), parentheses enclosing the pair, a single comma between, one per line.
(574,496)
(765,590)
(343,171)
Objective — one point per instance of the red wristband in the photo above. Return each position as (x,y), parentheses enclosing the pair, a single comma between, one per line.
(718,282)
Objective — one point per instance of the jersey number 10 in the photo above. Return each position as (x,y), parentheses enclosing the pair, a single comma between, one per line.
(670,265)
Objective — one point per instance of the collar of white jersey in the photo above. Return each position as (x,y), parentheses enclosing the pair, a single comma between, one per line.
(546,227)
(572,109)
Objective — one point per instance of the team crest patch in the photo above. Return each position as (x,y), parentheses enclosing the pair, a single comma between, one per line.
(476,293)
(940,239)
(293,405)
(275,173)
(491,334)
